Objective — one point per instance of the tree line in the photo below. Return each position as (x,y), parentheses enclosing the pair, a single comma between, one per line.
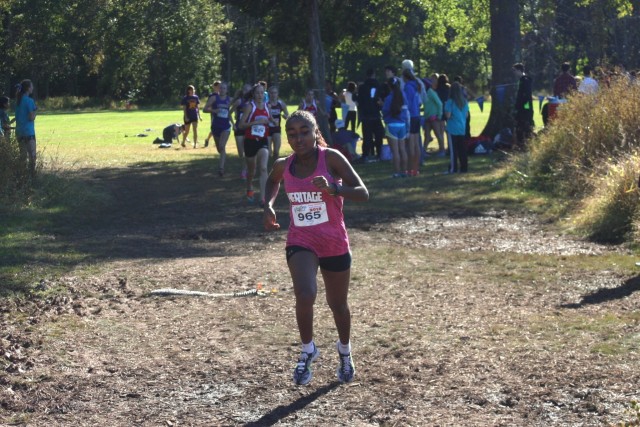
(149,50)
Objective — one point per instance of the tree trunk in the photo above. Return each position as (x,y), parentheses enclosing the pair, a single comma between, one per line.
(334,70)
(505,51)
(227,49)
(275,78)
(317,68)
(254,60)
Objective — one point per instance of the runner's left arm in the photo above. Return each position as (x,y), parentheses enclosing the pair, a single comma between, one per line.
(271,192)
(352,187)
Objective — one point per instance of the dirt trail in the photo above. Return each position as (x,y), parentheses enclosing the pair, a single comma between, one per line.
(490,319)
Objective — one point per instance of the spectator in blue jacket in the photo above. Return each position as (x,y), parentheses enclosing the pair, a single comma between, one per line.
(412,91)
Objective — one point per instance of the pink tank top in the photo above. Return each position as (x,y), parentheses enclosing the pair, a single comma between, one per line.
(317,221)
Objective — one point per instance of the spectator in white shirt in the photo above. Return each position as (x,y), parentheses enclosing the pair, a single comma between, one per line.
(588,85)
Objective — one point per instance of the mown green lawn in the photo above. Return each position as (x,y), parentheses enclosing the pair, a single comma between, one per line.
(99,143)
(108,138)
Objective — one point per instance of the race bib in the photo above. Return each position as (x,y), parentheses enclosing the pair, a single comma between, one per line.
(309,214)
(223,113)
(258,130)
(275,117)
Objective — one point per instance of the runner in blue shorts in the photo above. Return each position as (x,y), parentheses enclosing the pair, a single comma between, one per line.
(219,105)
(396,127)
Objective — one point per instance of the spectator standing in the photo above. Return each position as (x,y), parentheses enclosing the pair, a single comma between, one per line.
(524,105)
(369,100)
(412,91)
(564,83)
(331,102)
(352,108)
(25,123)
(433,114)
(456,111)
(395,127)
(390,71)
(407,64)
(468,96)
(588,85)
(191,109)
(443,94)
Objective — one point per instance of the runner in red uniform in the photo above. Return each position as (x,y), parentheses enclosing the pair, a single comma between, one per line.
(255,123)
(309,103)
(317,180)
(237,105)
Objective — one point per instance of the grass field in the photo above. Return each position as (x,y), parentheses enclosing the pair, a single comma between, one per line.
(93,139)
(107,140)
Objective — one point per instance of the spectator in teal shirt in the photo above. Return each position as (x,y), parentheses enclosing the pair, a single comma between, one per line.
(456,110)
(25,122)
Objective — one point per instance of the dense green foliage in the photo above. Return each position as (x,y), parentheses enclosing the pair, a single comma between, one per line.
(121,49)
(150,49)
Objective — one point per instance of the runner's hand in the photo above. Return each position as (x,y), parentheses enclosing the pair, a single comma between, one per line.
(270,223)
(321,183)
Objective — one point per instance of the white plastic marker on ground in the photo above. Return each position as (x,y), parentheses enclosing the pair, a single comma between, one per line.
(185,292)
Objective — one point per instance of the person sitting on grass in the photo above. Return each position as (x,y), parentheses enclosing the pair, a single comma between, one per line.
(170,133)
(345,141)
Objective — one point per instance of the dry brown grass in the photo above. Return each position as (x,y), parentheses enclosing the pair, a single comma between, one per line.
(457,321)
(589,156)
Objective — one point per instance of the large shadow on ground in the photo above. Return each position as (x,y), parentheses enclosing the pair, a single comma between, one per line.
(166,210)
(283,411)
(604,295)
(146,210)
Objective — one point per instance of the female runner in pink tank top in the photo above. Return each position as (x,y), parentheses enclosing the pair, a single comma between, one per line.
(317,180)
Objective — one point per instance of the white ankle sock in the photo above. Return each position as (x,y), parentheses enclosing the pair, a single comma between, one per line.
(344,348)
(309,347)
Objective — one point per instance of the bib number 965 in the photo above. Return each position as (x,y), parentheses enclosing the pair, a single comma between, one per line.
(309,214)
